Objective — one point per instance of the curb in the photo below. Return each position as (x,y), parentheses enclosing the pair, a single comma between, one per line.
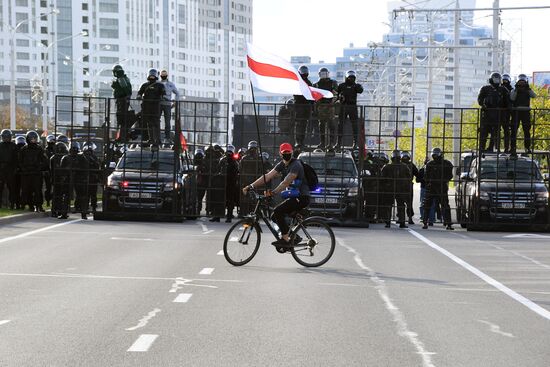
(22,217)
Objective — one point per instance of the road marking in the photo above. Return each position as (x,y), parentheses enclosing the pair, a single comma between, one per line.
(526,235)
(220,253)
(342,285)
(496,329)
(208,232)
(143,343)
(501,287)
(397,315)
(183,298)
(180,282)
(145,320)
(206,271)
(3,322)
(131,239)
(30,233)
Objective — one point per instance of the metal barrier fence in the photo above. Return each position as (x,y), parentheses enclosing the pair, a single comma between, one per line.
(494,181)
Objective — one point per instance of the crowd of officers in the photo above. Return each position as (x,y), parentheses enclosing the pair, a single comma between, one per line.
(503,108)
(58,172)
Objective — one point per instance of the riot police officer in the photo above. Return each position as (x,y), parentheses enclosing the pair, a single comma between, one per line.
(94,176)
(396,178)
(494,101)
(229,168)
(8,167)
(122,92)
(201,173)
(285,116)
(74,170)
(325,109)
(215,195)
(20,142)
(32,162)
(406,159)
(506,121)
(50,147)
(370,185)
(249,169)
(303,108)
(521,97)
(347,95)
(438,174)
(152,94)
(60,151)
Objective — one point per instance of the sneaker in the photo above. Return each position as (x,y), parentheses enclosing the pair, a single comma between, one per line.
(63,216)
(403,225)
(449,227)
(425,226)
(282,243)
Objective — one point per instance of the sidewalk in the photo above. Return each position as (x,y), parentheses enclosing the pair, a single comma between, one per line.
(21,215)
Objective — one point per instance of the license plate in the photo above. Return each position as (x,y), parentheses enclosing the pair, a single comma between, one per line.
(140,195)
(513,205)
(325,201)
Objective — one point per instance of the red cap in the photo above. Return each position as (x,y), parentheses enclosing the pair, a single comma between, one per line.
(285,147)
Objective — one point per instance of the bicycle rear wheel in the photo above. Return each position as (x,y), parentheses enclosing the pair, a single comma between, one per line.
(317,244)
(242,242)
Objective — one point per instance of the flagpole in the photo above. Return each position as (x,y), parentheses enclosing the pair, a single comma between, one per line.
(258,132)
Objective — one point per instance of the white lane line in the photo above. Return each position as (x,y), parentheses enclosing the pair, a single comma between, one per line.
(30,233)
(143,343)
(3,322)
(398,317)
(131,239)
(181,282)
(183,297)
(208,232)
(206,271)
(501,287)
(496,329)
(145,320)
(220,253)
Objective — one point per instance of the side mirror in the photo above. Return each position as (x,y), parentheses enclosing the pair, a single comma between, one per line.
(112,165)
(365,173)
(465,176)
(546,177)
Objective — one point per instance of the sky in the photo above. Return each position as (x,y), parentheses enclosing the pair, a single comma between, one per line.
(322,28)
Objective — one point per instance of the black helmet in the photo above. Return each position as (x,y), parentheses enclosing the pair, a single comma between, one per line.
(63,139)
(523,77)
(230,149)
(153,73)
(89,146)
(406,156)
(324,73)
(118,71)
(61,148)
(199,153)
(32,137)
(351,74)
(506,77)
(265,155)
(370,154)
(395,155)
(6,135)
(242,151)
(217,147)
(437,153)
(20,140)
(252,144)
(50,139)
(74,147)
(384,157)
(303,70)
(495,79)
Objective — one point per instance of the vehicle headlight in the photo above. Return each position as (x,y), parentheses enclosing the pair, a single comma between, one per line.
(542,196)
(112,183)
(169,186)
(484,195)
(353,191)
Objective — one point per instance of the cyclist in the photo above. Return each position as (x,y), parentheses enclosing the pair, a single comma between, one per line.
(294,190)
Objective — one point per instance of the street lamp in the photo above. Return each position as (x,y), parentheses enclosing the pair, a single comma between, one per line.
(45,108)
(12,81)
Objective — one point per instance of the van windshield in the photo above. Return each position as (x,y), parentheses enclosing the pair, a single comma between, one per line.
(509,169)
(331,166)
(147,161)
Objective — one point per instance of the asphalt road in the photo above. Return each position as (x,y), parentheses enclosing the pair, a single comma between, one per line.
(90,293)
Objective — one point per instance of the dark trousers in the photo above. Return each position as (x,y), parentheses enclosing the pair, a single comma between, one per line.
(409,203)
(327,125)
(399,199)
(437,197)
(506,125)
(8,179)
(31,187)
(285,208)
(48,189)
(201,192)
(152,121)
(92,195)
(122,105)
(488,128)
(303,114)
(81,198)
(523,117)
(166,110)
(348,111)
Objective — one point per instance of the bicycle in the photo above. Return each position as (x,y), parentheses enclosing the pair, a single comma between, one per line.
(313,241)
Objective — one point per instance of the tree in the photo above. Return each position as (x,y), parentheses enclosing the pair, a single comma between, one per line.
(24,119)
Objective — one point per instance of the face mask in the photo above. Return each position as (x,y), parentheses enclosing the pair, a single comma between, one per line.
(164,77)
(287,156)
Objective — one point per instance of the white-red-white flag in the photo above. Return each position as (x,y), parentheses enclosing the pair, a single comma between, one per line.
(274,74)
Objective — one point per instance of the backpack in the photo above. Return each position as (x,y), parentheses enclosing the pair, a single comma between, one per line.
(311,176)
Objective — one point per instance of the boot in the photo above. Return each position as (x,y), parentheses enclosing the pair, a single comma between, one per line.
(449,227)
(40,209)
(84,216)
(403,225)
(425,226)
(388,225)
(411,220)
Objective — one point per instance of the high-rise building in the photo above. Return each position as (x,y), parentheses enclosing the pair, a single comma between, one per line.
(72,48)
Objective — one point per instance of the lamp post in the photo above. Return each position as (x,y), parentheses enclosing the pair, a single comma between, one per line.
(12,81)
(45,98)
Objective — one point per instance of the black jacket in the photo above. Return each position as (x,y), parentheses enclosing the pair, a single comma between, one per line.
(32,159)
(300,99)
(152,93)
(75,167)
(347,93)
(437,175)
(396,177)
(327,84)
(8,157)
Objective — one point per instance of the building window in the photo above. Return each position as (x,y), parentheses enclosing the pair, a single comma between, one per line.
(84,6)
(85,45)
(85,19)
(86,84)
(108,6)
(22,56)
(22,43)
(108,28)
(22,3)
(23,69)
(181,14)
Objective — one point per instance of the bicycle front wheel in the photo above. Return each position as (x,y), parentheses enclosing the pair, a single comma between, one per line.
(242,242)
(316,245)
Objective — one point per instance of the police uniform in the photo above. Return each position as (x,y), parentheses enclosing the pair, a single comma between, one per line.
(325,112)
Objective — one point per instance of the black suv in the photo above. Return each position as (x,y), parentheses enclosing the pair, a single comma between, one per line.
(145,180)
(339,189)
(500,188)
